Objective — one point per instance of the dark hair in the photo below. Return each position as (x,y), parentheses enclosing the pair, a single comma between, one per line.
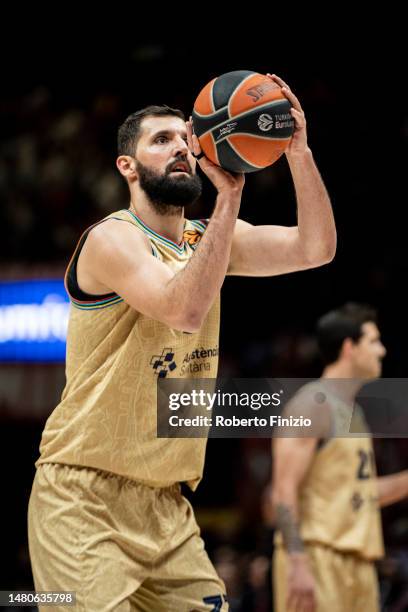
(129,131)
(337,325)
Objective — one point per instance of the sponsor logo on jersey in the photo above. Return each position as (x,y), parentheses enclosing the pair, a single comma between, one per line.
(164,363)
(198,360)
(356,501)
(192,237)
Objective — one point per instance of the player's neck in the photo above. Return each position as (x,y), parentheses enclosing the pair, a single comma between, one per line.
(339,369)
(170,226)
(341,380)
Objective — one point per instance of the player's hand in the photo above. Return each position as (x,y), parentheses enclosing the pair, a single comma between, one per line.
(224,182)
(298,144)
(301,584)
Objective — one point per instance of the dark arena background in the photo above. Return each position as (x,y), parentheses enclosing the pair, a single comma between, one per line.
(62,99)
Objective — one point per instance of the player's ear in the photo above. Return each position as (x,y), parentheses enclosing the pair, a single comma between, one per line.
(126,166)
(347,348)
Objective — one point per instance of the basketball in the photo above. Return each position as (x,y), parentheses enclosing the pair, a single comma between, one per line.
(242,121)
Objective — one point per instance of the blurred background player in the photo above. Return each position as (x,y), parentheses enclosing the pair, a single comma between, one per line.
(326,494)
(106,516)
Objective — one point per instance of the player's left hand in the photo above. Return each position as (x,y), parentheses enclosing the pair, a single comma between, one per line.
(298,144)
(223,181)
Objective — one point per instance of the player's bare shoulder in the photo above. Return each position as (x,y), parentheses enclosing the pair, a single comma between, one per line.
(116,235)
(308,412)
(110,247)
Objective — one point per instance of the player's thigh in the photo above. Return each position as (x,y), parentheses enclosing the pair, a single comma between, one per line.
(71,549)
(366,589)
(185,579)
(180,596)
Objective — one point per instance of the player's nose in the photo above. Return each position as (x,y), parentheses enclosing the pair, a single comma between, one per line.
(181,147)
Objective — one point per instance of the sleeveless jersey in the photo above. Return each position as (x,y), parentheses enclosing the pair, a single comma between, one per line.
(107,415)
(338,498)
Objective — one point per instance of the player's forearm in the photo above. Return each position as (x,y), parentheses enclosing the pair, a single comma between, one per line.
(392,488)
(287,522)
(317,230)
(193,290)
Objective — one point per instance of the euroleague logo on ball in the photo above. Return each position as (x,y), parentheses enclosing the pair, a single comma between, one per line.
(265,122)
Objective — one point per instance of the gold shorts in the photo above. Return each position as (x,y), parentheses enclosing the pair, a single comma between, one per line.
(344,581)
(120,545)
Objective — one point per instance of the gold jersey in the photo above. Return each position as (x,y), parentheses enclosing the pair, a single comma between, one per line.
(107,416)
(338,498)
(338,501)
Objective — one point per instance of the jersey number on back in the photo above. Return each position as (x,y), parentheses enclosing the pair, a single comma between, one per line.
(366,464)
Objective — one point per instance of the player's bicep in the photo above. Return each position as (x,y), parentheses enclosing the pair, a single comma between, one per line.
(265,250)
(305,420)
(292,458)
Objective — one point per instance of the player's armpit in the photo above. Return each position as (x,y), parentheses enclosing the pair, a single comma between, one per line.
(308,414)
(292,458)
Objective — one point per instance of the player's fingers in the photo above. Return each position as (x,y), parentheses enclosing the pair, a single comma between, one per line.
(299,118)
(278,80)
(291,601)
(196,145)
(286,90)
(299,607)
(309,601)
(189,128)
(292,98)
(312,605)
(306,604)
(196,149)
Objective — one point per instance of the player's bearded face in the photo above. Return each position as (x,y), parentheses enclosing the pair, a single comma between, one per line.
(171,190)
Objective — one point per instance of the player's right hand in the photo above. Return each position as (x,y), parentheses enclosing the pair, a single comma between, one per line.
(301,596)
(225,182)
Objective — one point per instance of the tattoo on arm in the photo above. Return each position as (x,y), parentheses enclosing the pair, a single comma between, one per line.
(289,528)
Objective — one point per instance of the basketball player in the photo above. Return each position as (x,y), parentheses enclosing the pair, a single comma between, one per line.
(106,516)
(325,493)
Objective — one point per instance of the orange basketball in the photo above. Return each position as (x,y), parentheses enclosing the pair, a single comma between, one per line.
(243,121)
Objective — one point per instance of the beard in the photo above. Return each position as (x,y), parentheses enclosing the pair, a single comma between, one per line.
(168,193)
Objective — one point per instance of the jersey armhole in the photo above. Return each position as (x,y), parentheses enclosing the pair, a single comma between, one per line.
(71,282)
